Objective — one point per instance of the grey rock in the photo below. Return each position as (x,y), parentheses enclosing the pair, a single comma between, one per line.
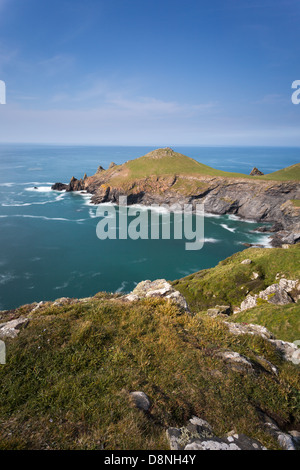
(12,328)
(235,360)
(159,288)
(141,400)
(246,261)
(198,435)
(219,310)
(286,441)
(275,294)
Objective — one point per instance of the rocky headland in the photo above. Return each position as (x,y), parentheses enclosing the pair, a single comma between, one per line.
(166,177)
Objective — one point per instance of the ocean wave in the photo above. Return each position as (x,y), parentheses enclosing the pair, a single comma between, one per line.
(240,219)
(208,214)
(211,240)
(25,216)
(230,229)
(40,189)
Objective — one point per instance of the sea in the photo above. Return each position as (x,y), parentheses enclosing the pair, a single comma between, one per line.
(48,243)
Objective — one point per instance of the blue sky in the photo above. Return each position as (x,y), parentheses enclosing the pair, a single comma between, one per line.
(149,72)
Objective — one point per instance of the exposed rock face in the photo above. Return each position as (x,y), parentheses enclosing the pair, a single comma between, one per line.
(219,310)
(59,187)
(159,288)
(112,164)
(289,351)
(12,328)
(236,361)
(256,172)
(75,185)
(287,441)
(278,294)
(198,435)
(260,200)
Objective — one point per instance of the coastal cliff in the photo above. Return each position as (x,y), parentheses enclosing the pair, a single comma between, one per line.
(166,177)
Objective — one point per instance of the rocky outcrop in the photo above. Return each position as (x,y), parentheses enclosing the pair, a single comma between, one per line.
(219,310)
(288,351)
(12,328)
(257,199)
(198,435)
(159,288)
(286,292)
(256,172)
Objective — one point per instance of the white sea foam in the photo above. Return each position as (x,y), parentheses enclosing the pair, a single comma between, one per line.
(40,189)
(230,229)
(26,216)
(240,219)
(211,240)
(207,214)
(122,287)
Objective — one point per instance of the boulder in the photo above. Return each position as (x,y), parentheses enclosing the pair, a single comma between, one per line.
(235,360)
(219,310)
(141,400)
(199,435)
(275,294)
(159,288)
(12,328)
(246,261)
(59,187)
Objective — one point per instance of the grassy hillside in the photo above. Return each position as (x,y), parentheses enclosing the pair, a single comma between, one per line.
(68,377)
(230,281)
(162,162)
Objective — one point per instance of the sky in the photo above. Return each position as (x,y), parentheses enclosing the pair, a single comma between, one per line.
(148,72)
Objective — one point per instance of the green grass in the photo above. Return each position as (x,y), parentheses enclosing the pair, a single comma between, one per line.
(282,320)
(162,162)
(68,377)
(230,281)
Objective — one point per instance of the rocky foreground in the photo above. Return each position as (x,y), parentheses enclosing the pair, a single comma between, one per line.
(255,198)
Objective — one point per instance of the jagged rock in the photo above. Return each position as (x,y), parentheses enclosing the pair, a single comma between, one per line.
(100,169)
(256,172)
(254,276)
(291,287)
(289,351)
(286,441)
(246,261)
(158,288)
(59,187)
(249,302)
(112,164)
(249,329)
(12,328)
(38,305)
(235,360)
(75,185)
(275,294)
(198,435)
(141,400)
(219,310)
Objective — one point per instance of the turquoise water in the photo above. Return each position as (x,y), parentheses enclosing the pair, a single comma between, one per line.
(49,248)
